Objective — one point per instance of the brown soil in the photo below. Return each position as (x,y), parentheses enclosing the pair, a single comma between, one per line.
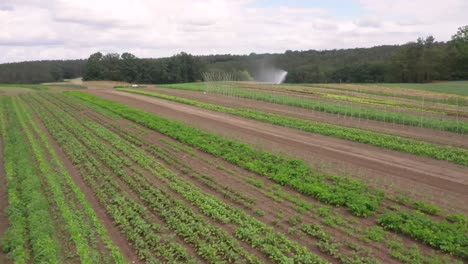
(112,230)
(3,204)
(430,135)
(400,169)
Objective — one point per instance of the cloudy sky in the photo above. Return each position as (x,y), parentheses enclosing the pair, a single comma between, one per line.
(67,29)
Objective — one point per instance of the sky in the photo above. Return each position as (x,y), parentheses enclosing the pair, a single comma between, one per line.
(74,29)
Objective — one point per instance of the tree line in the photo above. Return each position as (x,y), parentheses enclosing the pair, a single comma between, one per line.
(41,71)
(423,60)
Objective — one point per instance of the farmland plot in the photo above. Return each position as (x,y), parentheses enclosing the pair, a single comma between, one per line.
(127,183)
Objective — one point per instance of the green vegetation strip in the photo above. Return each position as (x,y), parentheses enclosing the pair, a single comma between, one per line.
(427,107)
(31,232)
(131,217)
(452,154)
(294,173)
(450,125)
(56,174)
(451,238)
(37,87)
(452,100)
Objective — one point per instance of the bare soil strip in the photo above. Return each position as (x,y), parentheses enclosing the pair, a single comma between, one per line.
(3,204)
(440,137)
(377,162)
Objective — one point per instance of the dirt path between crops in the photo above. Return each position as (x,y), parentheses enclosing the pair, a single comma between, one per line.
(3,203)
(378,162)
(440,137)
(112,230)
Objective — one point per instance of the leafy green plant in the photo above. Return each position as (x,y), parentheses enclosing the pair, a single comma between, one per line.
(442,235)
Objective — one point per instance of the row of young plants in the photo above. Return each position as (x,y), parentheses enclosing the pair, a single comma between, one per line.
(31,234)
(210,242)
(80,226)
(412,146)
(146,119)
(448,237)
(451,100)
(356,97)
(37,87)
(359,198)
(451,125)
(428,107)
(133,219)
(327,244)
(275,245)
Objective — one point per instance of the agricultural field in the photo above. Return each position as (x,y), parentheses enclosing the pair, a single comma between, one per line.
(232,172)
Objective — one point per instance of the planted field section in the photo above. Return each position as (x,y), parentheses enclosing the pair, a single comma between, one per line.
(342,191)
(455,126)
(452,154)
(381,90)
(294,173)
(216,231)
(456,87)
(394,99)
(422,106)
(220,182)
(50,219)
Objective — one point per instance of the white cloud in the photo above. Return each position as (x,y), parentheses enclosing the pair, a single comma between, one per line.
(63,29)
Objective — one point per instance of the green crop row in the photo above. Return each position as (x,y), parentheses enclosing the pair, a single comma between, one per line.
(294,173)
(255,233)
(450,125)
(451,238)
(422,107)
(77,228)
(72,104)
(132,218)
(452,154)
(31,232)
(211,243)
(62,176)
(37,87)
(452,100)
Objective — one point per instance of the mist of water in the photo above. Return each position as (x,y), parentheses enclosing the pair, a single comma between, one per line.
(271,75)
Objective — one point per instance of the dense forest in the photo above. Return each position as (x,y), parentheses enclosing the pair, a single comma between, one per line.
(41,71)
(424,60)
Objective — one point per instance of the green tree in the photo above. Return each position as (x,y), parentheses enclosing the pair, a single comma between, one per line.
(94,67)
